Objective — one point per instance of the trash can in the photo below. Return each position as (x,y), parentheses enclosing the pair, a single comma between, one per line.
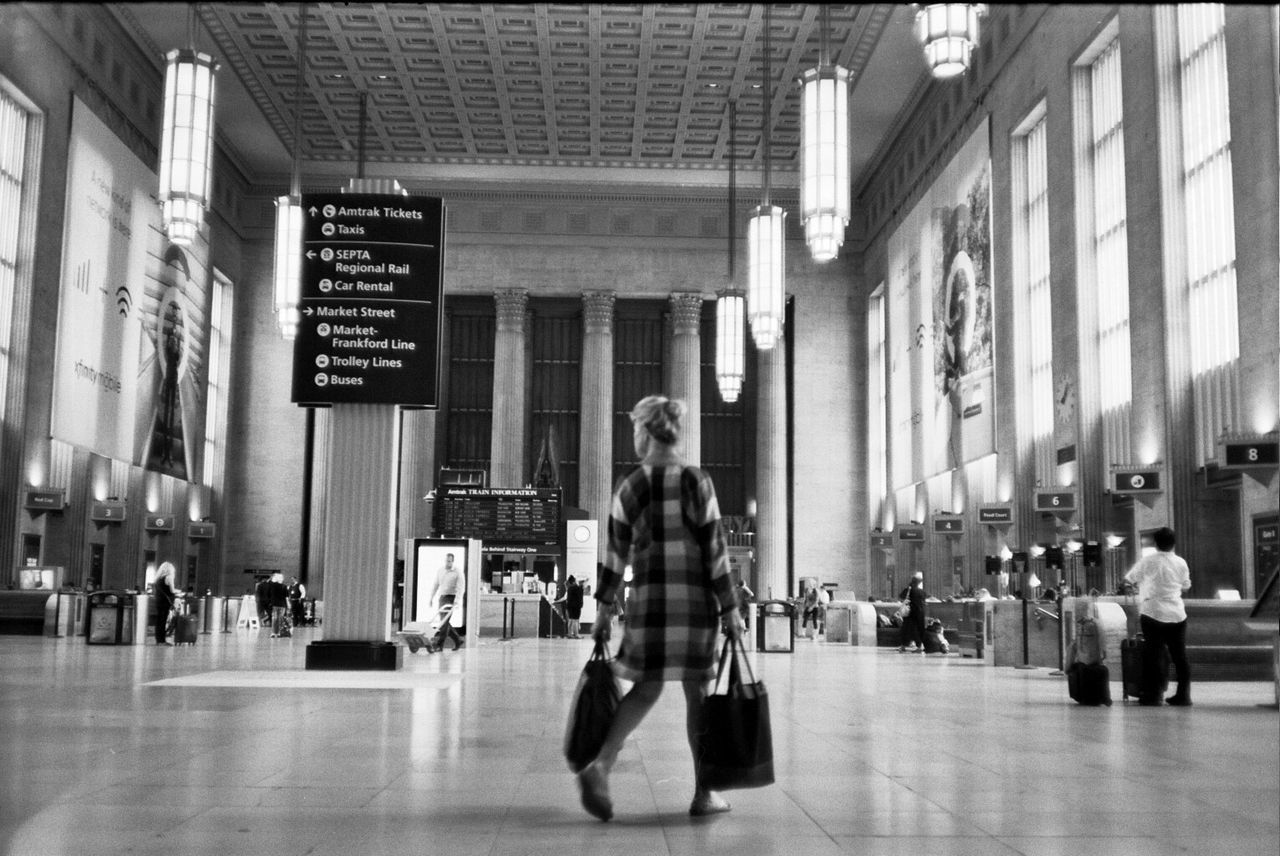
(213,614)
(64,614)
(839,621)
(107,621)
(776,627)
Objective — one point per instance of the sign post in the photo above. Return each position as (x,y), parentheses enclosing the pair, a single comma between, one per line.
(371,300)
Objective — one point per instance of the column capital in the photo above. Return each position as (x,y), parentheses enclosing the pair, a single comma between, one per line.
(597,307)
(686,312)
(511,304)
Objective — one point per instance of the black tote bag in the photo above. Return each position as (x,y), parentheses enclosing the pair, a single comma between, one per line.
(735,739)
(595,702)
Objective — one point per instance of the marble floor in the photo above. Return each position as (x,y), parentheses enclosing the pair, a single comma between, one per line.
(232,747)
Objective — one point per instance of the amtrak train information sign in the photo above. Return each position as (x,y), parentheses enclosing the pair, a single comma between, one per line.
(371,300)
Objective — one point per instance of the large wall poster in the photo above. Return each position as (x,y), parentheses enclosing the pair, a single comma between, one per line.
(129,373)
(940,305)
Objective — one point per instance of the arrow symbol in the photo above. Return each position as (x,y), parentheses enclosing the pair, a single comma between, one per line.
(308,311)
(311,254)
(312,209)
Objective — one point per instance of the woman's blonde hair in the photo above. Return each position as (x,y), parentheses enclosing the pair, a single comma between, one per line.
(661,417)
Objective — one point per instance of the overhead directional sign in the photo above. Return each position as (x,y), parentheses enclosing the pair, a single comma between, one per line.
(948,524)
(1055,500)
(371,300)
(995,515)
(1261,452)
(1136,481)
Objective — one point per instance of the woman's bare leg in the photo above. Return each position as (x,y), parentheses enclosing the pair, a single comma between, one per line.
(633,708)
(593,780)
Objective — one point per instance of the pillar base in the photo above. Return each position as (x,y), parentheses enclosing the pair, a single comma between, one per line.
(354,656)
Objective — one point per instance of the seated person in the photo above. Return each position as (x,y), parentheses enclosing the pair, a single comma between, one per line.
(935,640)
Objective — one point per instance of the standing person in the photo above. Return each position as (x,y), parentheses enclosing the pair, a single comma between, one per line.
(1161,578)
(165,591)
(297,596)
(444,598)
(665,517)
(913,624)
(277,602)
(573,606)
(745,596)
(814,608)
(263,601)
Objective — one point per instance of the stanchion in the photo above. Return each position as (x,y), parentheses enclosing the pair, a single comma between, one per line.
(1026,637)
(505,602)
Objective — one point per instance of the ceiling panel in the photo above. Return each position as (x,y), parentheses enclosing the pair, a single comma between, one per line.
(639,90)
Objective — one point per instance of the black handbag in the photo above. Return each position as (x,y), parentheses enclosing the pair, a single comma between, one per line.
(595,702)
(735,739)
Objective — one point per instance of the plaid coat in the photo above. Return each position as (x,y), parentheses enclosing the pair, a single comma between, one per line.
(667,520)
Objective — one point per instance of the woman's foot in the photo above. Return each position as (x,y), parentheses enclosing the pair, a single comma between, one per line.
(593,784)
(708,803)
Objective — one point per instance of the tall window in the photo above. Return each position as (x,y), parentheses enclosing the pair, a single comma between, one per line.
(877,408)
(1210,220)
(14,121)
(1032,299)
(215,419)
(1111,251)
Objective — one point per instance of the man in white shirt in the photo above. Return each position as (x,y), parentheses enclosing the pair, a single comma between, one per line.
(446,596)
(1161,578)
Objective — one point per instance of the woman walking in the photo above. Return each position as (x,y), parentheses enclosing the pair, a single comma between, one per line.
(665,518)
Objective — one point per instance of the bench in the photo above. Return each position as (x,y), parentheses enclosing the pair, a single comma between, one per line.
(22,612)
(946,612)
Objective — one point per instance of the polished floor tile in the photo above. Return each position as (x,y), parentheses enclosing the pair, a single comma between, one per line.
(232,747)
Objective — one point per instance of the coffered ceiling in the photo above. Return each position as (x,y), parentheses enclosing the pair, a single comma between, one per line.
(619,95)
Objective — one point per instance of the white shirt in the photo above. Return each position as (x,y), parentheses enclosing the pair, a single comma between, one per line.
(1161,578)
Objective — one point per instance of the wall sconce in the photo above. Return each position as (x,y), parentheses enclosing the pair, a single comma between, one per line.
(186,147)
(948,31)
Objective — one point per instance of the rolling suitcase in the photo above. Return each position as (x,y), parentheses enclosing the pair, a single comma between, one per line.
(185,629)
(1131,676)
(1089,684)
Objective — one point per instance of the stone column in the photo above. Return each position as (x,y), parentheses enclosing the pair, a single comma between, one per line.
(359,539)
(772,570)
(686,368)
(507,447)
(595,442)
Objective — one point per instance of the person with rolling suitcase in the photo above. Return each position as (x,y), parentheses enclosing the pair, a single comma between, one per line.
(1161,578)
(165,591)
(1088,678)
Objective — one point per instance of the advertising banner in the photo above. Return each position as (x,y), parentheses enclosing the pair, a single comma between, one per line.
(133,315)
(941,342)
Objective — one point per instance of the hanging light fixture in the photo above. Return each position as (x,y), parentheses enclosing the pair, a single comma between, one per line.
(824,153)
(288,249)
(186,144)
(730,302)
(288,263)
(766,247)
(949,31)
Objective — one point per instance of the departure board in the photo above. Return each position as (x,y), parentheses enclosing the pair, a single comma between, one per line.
(498,515)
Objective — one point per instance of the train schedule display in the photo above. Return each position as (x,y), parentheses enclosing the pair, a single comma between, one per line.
(515,516)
